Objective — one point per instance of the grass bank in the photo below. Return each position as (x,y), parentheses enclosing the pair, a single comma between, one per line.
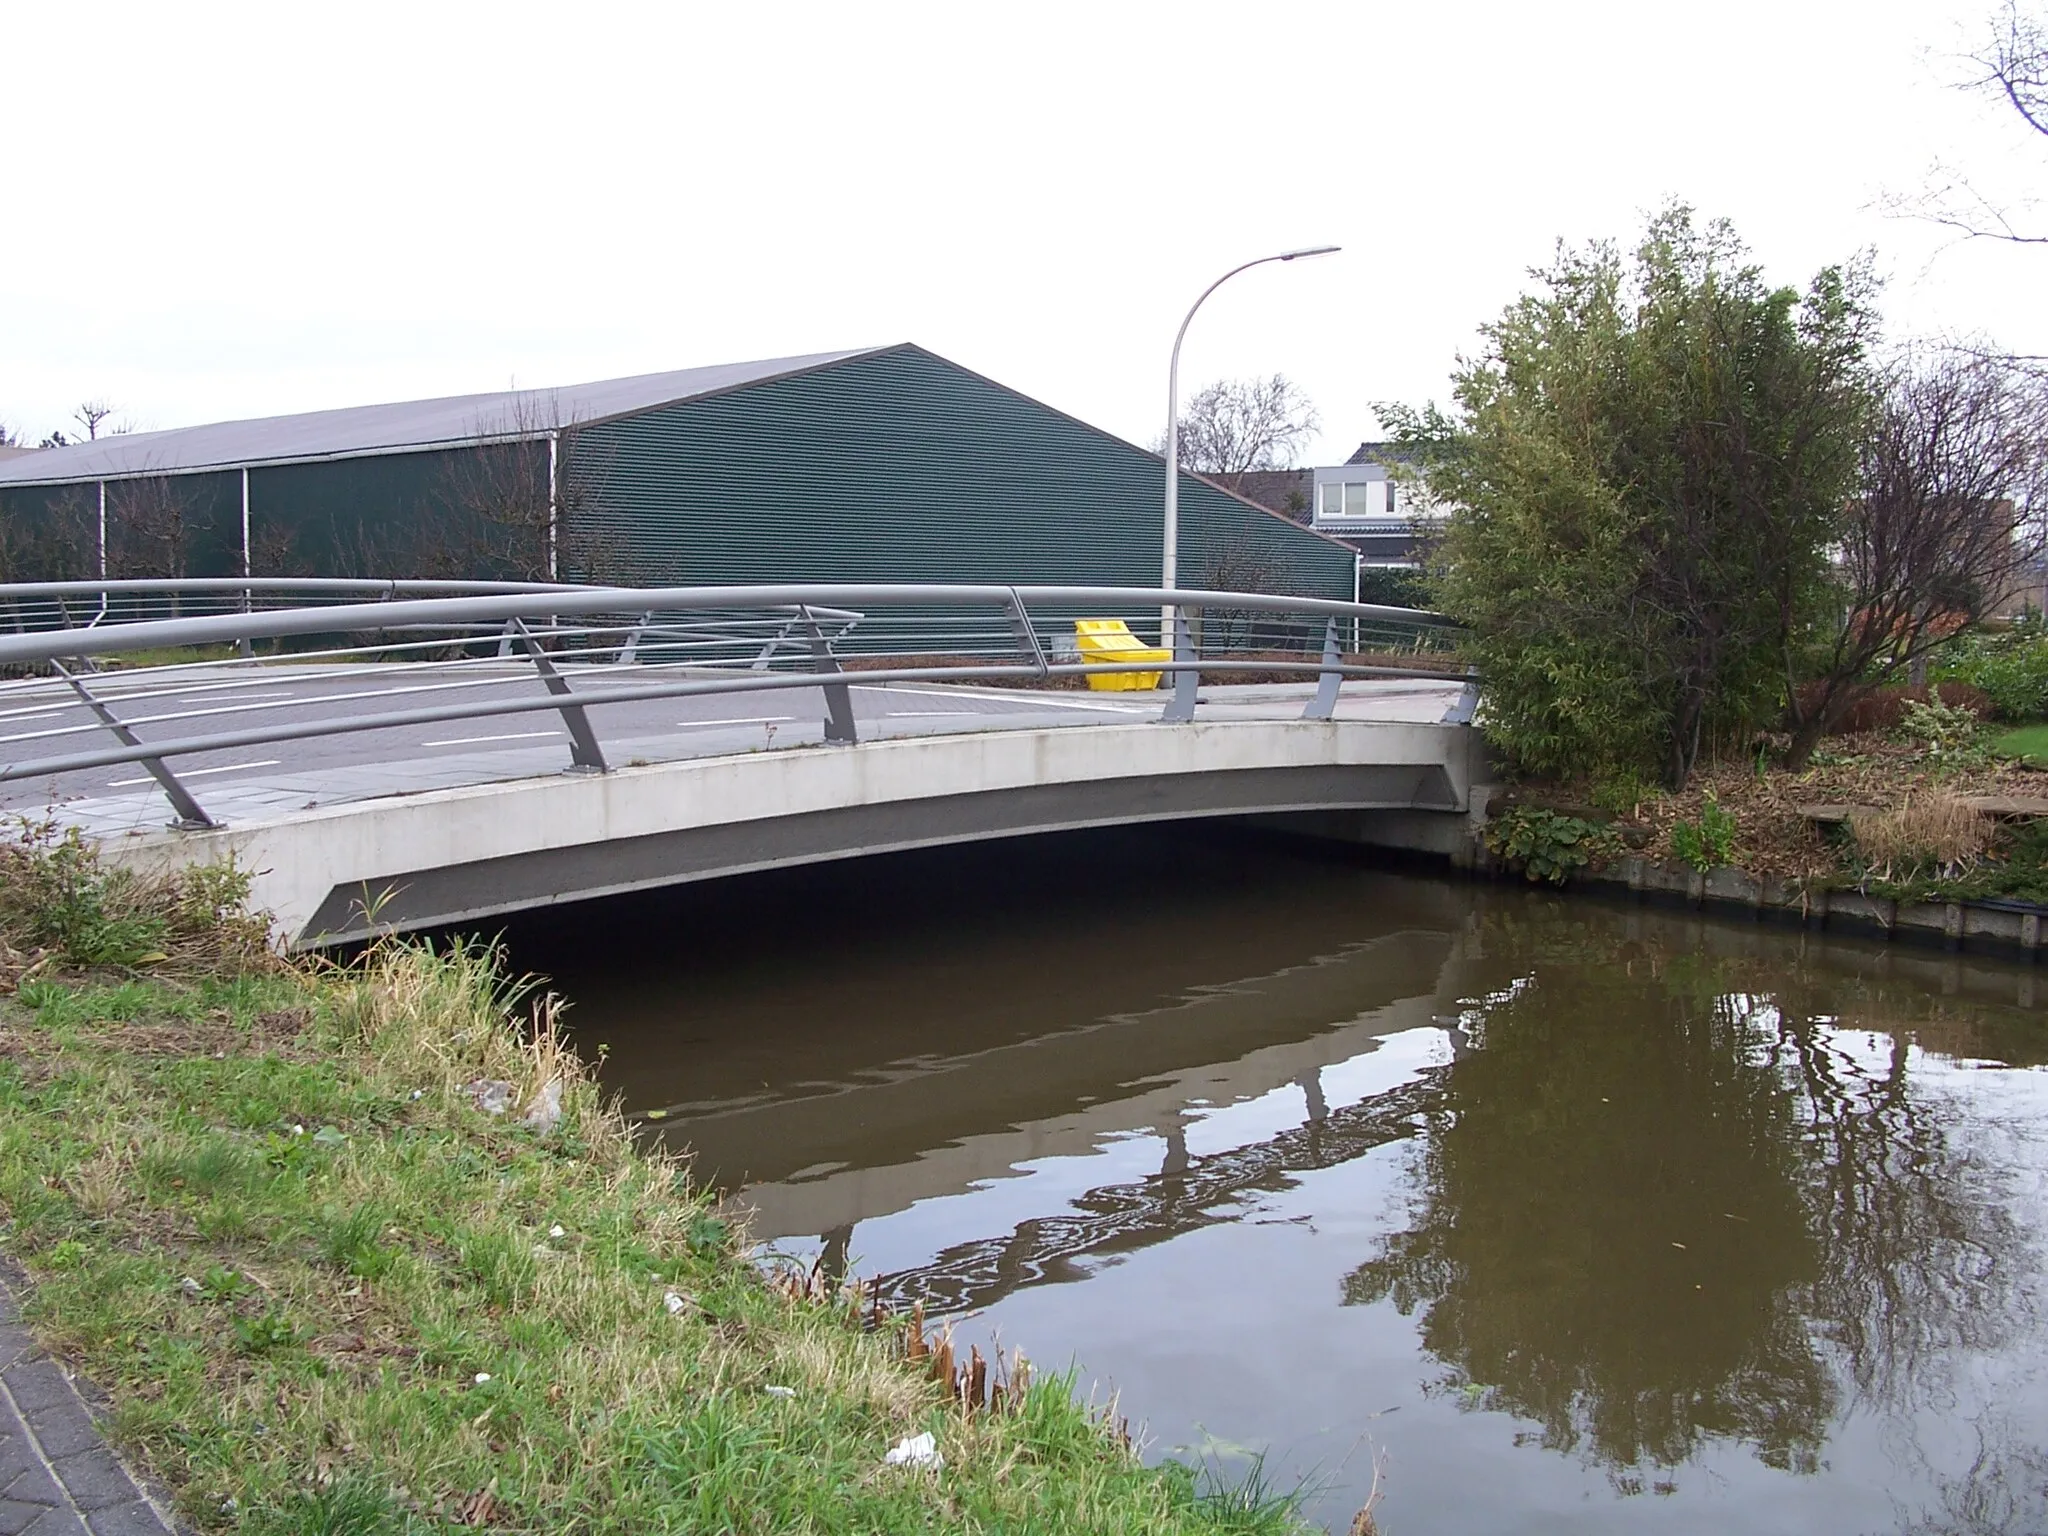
(269,1211)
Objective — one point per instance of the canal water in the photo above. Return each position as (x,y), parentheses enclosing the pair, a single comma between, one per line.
(1558,1215)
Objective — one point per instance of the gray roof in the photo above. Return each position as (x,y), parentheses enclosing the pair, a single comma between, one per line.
(413,424)
(1384,453)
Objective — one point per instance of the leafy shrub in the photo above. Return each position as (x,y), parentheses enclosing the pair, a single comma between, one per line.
(1950,734)
(1545,845)
(2009,666)
(1709,842)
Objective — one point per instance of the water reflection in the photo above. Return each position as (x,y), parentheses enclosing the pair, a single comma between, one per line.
(1559,1204)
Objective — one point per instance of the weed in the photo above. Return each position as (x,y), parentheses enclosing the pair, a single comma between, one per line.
(265,1332)
(349,1242)
(58,896)
(1709,842)
(1545,845)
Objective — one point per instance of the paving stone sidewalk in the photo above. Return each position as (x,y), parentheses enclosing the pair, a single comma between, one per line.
(57,1476)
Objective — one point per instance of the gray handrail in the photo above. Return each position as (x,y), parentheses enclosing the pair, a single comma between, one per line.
(570,602)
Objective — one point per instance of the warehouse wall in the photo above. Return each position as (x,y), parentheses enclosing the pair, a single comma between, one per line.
(893,467)
(160,525)
(903,467)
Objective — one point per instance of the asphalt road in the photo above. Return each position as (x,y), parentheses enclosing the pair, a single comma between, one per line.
(265,780)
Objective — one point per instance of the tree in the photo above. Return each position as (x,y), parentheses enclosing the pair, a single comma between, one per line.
(1241,426)
(91,416)
(1952,478)
(510,512)
(1647,464)
(152,526)
(2012,67)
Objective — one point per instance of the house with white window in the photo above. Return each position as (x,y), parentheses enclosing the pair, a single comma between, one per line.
(1372,505)
(1367,502)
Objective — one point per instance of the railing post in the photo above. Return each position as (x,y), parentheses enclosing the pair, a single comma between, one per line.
(1466,705)
(585,756)
(632,646)
(1027,637)
(775,643)
(1324,705)
(191,818)
(1186,683)
(839,724)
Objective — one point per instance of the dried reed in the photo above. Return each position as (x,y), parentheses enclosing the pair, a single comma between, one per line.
(1936,829)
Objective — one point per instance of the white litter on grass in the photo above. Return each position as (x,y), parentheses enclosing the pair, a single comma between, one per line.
(545,1112)
(493,1095)
(556,1231)
(915,1451)
(189,1286)
(673,1302)
(482,1377)
(780,1391)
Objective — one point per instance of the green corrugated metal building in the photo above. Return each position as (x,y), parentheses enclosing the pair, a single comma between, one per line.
(882,464)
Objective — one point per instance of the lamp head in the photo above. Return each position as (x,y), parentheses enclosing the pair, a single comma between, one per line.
(1312,250)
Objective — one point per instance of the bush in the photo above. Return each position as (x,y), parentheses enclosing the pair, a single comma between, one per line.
(1951,735)
(2010,668)
(1394,588)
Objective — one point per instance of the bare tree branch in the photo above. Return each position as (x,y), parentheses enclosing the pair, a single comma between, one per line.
(1240,426)
(1947,520)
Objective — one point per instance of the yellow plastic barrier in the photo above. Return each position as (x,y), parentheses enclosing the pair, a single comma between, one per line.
(1112,640)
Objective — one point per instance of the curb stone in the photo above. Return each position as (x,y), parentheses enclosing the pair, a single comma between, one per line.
(58,1475)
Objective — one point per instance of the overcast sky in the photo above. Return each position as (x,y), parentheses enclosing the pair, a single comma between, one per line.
(217,211)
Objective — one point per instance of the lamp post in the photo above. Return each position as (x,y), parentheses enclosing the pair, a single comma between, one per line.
(1169,558)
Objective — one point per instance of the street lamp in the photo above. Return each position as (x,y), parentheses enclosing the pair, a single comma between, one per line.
(1169,558)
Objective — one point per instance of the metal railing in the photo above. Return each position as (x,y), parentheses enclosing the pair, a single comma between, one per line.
(430,653)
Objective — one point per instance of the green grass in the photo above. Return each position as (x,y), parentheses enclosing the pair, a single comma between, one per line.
(2029,744)
(325,1292)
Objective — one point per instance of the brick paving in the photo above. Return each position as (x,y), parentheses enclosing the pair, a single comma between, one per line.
(57,1475)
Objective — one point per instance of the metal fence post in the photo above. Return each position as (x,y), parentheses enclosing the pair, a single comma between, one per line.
(1027,637)
(839,724)
(585,756)
(1187,683)
(1324,705)
(631,648)
(191,818)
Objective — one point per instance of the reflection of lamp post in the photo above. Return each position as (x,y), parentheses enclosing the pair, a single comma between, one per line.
(1169,557)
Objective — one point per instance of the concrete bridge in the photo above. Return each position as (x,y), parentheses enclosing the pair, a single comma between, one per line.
(401,767)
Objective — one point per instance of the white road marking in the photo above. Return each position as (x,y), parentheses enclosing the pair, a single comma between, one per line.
(237,694)
(743,720)
(470,741)
(40,712)
(61,730)
(193,773)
